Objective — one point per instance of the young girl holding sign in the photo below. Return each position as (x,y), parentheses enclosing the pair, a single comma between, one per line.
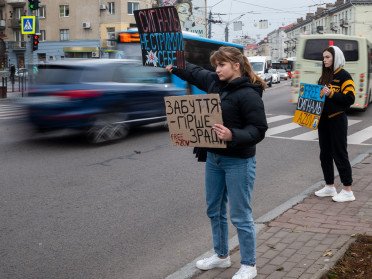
(230,172)
(332,130)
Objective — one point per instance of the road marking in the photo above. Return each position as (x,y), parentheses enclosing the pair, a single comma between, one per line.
(282,128)
(361,136)
(357,138)
(10,111)
(313,135)
(278,118)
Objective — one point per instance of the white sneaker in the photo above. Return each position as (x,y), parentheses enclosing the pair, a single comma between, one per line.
(344,196)
(212,262)
(326,191)
(246,272)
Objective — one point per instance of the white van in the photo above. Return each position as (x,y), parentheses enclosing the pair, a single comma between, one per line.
(261,65)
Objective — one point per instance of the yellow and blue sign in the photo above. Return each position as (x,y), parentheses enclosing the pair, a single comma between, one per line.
(28,25)
(310,105)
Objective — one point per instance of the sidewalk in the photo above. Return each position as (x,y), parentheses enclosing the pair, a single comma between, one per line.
(307,239)
(13,95)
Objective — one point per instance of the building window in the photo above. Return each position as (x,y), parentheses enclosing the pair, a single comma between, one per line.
(64,11)
(132,6)
(42,35)
(18,37)
(41,12)
(64,34)
(111,8)
(111,36)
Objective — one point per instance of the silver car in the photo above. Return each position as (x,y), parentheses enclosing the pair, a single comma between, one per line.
(283,74)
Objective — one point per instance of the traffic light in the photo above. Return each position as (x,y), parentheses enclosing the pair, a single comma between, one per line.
(35,42)
(34,4)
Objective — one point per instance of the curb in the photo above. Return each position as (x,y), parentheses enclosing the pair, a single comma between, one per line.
(190,270)
(335,258)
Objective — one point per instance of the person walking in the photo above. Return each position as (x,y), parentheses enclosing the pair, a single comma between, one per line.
(230,172)
(339,90)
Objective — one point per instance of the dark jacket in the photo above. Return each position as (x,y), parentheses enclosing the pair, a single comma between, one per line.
(342,94)
(242,109)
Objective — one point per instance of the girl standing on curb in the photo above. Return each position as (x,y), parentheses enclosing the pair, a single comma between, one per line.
(230,172)
(332,130)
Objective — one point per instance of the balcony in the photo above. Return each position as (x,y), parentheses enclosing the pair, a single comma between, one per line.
(344,22)
(334,26)
(17,45)
(17,3)
(2,24)
(320,29)
(14,23)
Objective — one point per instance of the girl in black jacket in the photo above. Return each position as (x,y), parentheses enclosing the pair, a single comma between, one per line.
(332,130)
(230,172)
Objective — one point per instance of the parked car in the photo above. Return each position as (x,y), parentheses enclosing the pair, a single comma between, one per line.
(283,74)
(103,98)
(275,75)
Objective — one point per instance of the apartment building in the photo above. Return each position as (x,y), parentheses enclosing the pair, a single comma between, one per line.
(349,17)
(68,28)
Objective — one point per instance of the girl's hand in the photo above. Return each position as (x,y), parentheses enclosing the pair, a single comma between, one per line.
(169,68)
(222,132)
(325,91)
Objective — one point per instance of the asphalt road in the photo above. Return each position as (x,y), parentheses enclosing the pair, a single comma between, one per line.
(133,209)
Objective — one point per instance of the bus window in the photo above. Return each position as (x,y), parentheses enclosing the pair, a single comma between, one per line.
(314,48)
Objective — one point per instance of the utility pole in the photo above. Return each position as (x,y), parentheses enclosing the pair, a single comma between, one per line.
(210,25)
(227,32)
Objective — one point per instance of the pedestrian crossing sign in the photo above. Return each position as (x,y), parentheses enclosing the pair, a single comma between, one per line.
(28,25)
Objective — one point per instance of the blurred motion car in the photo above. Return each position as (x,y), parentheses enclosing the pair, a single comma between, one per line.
(275,75)
(103,98)
(283,74)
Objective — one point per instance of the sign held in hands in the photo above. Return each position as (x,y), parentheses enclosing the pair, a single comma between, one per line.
(191,118)
(309,106)
(161,37)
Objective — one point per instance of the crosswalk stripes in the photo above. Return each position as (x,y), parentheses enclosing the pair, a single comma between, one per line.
(361,137)
(313,135)
(9,111)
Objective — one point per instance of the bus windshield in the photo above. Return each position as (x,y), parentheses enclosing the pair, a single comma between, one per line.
(314,48)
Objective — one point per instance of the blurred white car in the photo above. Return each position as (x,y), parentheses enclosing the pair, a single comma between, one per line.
(275,75)
(283,74)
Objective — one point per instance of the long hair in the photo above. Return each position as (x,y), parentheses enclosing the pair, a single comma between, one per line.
(234,55)
(327,73)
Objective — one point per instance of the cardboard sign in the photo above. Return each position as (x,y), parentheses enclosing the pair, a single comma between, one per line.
(309,106)
(161,37)
(191,118)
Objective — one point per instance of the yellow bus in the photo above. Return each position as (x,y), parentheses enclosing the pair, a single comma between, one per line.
(358,56)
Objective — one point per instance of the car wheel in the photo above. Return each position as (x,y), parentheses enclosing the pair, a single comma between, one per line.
(279,80)
(106,128)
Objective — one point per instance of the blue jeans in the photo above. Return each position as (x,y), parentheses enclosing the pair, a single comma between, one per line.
(231,178)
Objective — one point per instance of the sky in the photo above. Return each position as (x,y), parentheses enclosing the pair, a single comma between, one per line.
(250,12)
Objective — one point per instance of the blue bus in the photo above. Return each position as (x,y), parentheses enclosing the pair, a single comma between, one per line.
(197,51)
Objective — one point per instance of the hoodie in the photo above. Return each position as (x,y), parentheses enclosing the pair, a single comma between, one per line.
(342,88)
(242,108)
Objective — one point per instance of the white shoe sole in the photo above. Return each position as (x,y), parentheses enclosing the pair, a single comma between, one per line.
(325,195)
(348,200)
(224,265)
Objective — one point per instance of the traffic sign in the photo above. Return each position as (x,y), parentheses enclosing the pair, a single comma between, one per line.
(28,24)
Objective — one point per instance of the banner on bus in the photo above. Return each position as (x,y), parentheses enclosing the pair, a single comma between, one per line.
(191,118)
(161,37)
(309,106)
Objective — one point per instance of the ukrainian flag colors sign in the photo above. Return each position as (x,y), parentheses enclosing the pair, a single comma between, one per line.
(310,106)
